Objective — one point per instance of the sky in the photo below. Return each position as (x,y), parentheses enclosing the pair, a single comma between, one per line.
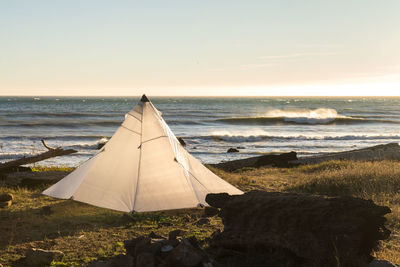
(194,48)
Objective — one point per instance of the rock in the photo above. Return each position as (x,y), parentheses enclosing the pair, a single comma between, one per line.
(232,150)
(185,255)
(41,257)
(210,211)
(284,229)
(6,200)
(153,235)
(143,244)
(6,197)
(181,141)
(145,259)
(173,234)
(382,263)
(167,248)
(202,221)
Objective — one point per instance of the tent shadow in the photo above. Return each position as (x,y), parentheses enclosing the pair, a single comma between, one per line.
(63,218)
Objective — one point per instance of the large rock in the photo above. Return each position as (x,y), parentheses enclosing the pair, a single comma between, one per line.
(36,257)
(185,255)
(281,229)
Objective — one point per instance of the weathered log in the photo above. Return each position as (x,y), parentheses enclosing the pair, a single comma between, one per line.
(284,229)
(50,153)
(275,160)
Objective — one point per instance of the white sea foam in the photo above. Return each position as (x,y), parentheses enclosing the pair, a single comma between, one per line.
(311,116)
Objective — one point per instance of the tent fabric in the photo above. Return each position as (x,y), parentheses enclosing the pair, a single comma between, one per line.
(143,167)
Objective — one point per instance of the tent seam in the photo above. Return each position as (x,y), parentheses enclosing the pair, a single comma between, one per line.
(152,139)
(134,116)
(140,159)
(130,130)
(194,178)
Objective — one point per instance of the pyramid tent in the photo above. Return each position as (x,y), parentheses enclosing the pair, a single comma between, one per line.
(143,167)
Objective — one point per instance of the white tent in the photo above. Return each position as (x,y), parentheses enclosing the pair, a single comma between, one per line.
(143,167)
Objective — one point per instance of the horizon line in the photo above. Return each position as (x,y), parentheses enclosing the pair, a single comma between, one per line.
(205,96)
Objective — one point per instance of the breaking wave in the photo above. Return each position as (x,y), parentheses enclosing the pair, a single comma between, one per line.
(248,137)
(305,116)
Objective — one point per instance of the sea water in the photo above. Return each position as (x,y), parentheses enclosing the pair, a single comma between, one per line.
(210,126)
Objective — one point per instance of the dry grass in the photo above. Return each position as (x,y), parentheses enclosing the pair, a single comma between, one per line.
(81,231)
(84,232)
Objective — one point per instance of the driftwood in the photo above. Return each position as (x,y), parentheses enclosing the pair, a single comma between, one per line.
(50,153)
(275,160)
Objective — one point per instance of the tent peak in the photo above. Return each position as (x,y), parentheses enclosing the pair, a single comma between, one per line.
(144,98)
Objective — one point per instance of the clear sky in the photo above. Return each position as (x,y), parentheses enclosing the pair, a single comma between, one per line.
(281,47)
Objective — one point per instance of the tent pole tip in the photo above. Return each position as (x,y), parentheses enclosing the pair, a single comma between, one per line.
(144,98)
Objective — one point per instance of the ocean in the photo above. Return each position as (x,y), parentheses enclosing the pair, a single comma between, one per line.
(210,126)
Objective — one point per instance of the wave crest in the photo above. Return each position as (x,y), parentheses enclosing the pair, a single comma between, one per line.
(304,116)
(309,116)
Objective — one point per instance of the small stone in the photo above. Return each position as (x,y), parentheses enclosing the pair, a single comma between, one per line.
(232,150)
(202,221)
(173,234)
(154,235)
(167,248)
(6,197)
(41,257)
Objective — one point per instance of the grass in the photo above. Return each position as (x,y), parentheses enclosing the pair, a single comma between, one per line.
(84,232)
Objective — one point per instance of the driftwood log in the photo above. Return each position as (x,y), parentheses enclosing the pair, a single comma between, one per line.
(283,229)
(276,160)
(50,153)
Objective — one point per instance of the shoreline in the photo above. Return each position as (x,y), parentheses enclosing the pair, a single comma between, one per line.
(390,151)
